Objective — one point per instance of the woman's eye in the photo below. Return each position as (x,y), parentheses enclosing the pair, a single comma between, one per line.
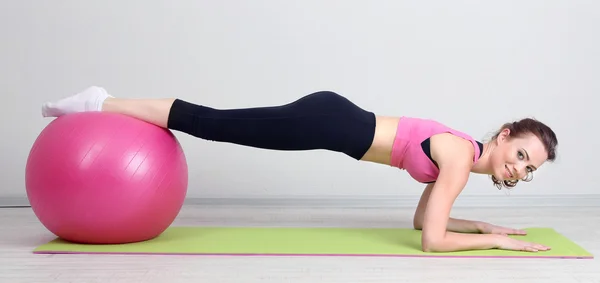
(520,155)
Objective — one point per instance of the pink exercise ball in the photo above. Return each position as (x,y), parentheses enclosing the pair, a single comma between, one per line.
(106,178)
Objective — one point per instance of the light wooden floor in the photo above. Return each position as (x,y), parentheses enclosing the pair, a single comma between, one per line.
(21,232)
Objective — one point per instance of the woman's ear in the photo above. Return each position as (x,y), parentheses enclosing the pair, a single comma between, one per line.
(503,136)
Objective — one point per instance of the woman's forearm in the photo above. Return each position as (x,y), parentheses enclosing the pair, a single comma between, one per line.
(453,242)
(457,225)
(464,226)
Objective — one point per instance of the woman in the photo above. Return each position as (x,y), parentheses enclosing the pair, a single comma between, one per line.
(430,152)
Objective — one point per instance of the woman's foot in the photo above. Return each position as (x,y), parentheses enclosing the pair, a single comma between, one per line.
(91,99)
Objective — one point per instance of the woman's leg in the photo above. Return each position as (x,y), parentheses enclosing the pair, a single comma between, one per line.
(154,111)
(322,120)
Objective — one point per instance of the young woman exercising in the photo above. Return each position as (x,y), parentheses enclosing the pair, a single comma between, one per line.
(433,154)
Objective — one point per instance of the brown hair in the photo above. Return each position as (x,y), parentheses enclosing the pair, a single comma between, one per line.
(521,128)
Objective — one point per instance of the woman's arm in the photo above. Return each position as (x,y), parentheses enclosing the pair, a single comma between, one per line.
(460,225)
(454,224)
(454,157)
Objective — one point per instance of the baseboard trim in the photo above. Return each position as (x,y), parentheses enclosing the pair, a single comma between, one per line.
(14,202)
(391,201)
(395,201)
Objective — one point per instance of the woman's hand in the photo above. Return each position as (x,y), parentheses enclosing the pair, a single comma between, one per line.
(487,228)
(507,243)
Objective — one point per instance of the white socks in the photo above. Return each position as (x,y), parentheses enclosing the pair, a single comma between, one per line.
(91,99)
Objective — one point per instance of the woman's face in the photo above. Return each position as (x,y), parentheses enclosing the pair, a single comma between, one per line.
(515,158)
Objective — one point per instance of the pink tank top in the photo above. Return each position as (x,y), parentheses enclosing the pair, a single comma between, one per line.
(407,151)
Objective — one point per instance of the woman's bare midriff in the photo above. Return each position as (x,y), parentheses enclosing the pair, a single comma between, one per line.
(385,133)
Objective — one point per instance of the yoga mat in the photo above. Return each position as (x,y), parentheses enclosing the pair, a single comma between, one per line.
(309,242)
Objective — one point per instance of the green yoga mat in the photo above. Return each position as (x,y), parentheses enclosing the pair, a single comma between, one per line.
(309,242)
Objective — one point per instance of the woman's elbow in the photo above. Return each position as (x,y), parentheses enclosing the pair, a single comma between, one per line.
(417,225)
(432,244)
(427,246)
(431,247)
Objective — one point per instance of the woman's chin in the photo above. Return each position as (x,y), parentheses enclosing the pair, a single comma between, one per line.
(499,177)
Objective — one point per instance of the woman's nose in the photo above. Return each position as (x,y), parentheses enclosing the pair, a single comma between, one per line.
(521,170)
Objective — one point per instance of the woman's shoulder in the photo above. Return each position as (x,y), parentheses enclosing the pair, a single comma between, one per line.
(426,128)
(446,143)
(449,148)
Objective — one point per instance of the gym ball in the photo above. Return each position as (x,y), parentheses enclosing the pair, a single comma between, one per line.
(105,178)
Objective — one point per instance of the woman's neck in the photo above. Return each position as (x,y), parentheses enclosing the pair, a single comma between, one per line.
(483,165)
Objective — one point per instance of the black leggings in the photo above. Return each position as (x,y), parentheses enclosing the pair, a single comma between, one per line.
(321,120)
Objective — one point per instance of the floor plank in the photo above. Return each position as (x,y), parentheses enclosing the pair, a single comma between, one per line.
(22,232)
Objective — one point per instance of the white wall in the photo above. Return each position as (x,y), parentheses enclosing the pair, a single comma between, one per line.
(493,62)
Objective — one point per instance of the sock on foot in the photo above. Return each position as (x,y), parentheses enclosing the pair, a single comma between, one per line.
(90,99)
